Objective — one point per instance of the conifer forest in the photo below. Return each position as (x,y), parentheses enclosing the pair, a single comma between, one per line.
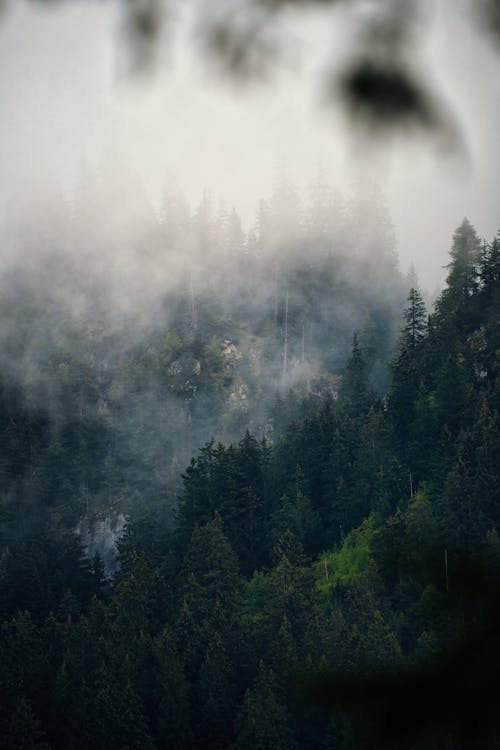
(249,467)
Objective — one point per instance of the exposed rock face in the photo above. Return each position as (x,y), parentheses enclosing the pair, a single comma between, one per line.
(230,350)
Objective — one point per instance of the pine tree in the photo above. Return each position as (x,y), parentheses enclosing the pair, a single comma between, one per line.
(455,309)
(355,389)
(117,716)
(24,731)
(292,595)
(211,591)
(407,371)
(486,441)
(210,570)
(488,304)
(197,505)
(172,714)
(216,695)
(297,514)
(140,601)
(263,721)
(415,320)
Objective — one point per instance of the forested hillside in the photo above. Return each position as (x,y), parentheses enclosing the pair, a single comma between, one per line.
(322,559)
(129,340)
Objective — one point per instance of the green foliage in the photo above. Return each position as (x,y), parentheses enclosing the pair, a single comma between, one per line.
(171,345)
(171,711)
(36,572)
(202,636)
(342,567)
(355,389)
(262,720)
(232,483)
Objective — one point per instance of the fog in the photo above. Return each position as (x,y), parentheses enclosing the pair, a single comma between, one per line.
(68,100)
(142,315)
(249,403)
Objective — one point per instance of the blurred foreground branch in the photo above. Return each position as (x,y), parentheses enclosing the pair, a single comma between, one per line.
(381,87)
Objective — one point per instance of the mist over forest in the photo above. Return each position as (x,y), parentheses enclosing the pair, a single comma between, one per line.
(249,376)
(157,332)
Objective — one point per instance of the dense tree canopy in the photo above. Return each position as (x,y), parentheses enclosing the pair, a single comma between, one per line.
(348,559)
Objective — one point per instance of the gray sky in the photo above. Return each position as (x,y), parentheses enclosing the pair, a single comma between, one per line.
(64,101)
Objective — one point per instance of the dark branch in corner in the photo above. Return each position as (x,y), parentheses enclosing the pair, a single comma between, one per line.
(377,90)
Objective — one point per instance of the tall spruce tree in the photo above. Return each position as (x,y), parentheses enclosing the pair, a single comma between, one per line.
(407,370)
(263,721)
(455,308)
(355,388)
